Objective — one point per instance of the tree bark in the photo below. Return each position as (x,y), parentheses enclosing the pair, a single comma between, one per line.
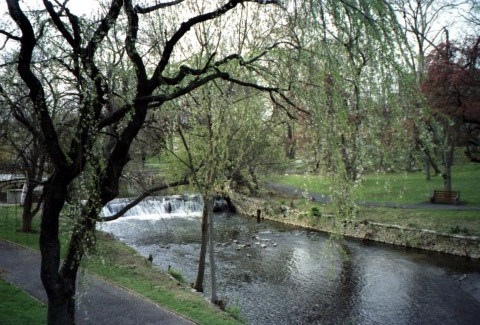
(448,161)
(211,252)
(60,291)
(203,251)
(427,169)
(290,142)
(27,214)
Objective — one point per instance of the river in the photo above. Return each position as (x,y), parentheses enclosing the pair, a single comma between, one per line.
(279,274)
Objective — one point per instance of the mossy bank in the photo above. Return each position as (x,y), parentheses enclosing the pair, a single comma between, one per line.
(361,228)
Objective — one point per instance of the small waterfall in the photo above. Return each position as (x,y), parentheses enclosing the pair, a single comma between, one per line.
(159,206)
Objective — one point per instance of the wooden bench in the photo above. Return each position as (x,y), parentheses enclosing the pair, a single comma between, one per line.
(446,197)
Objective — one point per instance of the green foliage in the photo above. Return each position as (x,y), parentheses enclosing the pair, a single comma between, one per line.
(349,84)
(176,274)
(224,137)
(457,230)
(315,212)
(235,312)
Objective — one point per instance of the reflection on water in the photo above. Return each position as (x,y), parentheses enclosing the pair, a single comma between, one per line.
(283,275)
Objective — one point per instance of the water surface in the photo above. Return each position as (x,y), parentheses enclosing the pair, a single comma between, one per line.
(277,274)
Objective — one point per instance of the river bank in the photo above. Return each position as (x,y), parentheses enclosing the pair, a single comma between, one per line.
(362,229)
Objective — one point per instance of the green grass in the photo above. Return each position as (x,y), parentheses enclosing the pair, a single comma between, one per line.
(322,216)
(14,303)
(176,274)
(403,188)
(119,263)
(445,221)
(11,223)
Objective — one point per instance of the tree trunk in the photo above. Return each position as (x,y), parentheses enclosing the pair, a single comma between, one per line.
(448,161)
(203,251)
(290,143)
(427,169)
(60,291)
(61,310)
(349,161)
(211,252)
(28,214)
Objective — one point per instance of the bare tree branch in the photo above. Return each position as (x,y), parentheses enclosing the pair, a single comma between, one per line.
(186,26)
(146,10)
(37,95)
(130,41)
(58,22)
(9,35)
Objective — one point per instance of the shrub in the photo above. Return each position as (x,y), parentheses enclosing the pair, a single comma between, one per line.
(315,212)
(176,274)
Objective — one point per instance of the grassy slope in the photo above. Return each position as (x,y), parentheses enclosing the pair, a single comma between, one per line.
(13,304)
(120,264)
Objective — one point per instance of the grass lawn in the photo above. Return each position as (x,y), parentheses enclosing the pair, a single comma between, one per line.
(403,188)
(317,215)
(444,221)
(14,303)
(120,264)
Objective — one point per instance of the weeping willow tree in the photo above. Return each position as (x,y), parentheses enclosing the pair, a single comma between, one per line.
(349,81)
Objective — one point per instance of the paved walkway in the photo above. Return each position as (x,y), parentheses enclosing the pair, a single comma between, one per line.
(99,302)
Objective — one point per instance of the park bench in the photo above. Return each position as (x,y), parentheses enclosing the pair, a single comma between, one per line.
(446,197)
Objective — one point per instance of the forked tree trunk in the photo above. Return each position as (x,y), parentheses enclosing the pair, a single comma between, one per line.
(61,309)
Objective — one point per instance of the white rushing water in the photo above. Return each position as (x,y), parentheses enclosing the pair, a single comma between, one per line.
(157,207)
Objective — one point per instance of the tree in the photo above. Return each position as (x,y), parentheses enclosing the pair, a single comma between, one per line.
(89,154)
(452,87)
(422,24)
(223,136)
(32,161)
(347,74)
(472,17)
(27,148)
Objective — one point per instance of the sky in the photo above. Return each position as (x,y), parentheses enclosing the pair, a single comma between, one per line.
(77,6)
(86,7)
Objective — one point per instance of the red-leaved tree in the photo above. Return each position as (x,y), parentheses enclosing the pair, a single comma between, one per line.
(452,88)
